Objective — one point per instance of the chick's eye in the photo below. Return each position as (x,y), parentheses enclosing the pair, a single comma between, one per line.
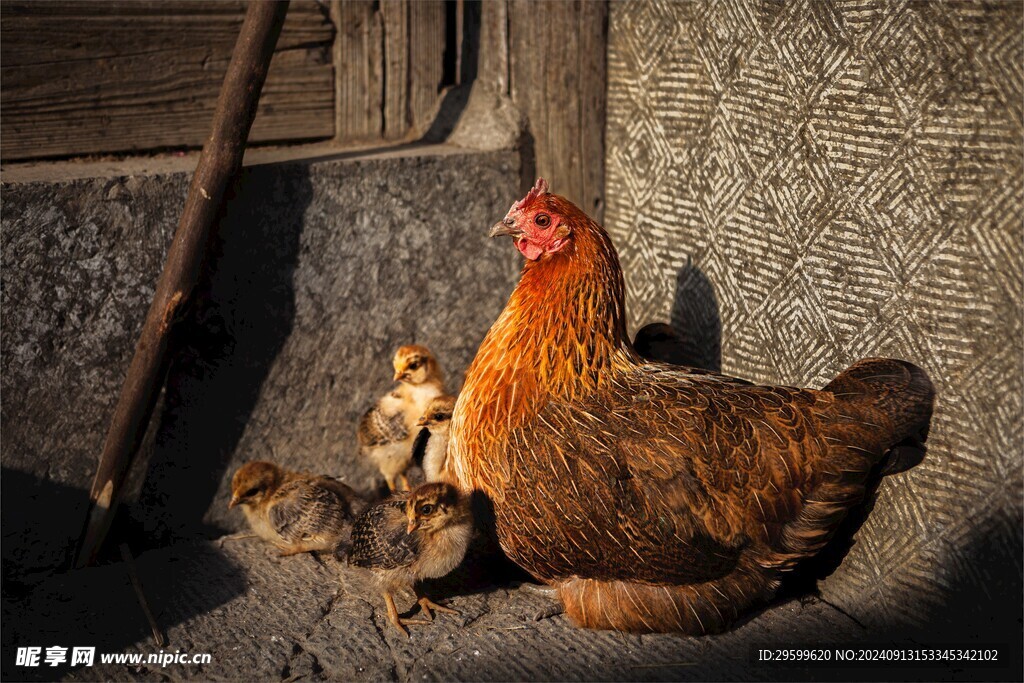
(415,364)
(542,220)
(250,493)
(426,509)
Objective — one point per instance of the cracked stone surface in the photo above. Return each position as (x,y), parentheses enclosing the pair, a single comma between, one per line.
(264,617)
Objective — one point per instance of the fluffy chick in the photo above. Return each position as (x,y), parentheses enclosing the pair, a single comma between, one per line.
(294,511)
(387,430)
(435,421)
(420,535)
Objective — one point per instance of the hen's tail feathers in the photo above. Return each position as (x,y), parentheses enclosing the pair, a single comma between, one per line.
(888,405)
(694,609)
(898,390)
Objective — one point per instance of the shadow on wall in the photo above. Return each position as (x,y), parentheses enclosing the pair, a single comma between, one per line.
(694,337)
(454,102)
(242,316)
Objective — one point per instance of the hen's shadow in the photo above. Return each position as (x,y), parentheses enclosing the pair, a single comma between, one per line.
(694,337)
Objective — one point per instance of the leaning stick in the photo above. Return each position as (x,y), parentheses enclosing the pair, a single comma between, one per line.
(220,160)
(133,576)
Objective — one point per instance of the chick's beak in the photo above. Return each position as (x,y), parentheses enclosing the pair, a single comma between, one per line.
(507,226)
(234,501)
(399,376)
(422,422)
(413,525)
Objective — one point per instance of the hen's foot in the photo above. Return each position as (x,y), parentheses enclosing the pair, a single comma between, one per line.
(540,589)
(549,592)
(549,611)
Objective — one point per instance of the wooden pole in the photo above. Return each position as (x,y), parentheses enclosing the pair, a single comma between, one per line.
(133,576)
(220,160)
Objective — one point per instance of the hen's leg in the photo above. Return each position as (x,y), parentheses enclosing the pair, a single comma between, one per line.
(554,608)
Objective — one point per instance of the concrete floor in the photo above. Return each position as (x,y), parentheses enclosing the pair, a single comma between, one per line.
(264,617)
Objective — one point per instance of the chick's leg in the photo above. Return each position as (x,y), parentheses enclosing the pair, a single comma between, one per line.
(393,614)
(405,481)
(397,621)
(234,537)
(297,548)
(426,604)
(390,481)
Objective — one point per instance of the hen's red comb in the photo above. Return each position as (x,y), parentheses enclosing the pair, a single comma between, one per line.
(539,188)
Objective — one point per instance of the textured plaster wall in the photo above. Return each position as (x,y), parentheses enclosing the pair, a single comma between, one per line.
(802,184)
(318,272)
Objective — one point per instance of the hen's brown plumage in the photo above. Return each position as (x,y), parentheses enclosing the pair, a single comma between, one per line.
(655,498)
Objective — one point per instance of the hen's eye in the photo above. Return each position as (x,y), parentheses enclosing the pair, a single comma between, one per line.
(426,509)
(542,220)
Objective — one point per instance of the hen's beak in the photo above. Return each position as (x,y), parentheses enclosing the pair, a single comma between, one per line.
(234,502)
(505,227)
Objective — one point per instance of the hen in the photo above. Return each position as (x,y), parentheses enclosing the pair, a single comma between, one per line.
(654,497)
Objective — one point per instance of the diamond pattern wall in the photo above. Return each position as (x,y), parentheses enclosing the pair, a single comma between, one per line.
(845,179)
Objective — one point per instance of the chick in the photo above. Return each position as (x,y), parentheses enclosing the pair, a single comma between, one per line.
(296,512)
(435,421)
(420,535)
(387,430)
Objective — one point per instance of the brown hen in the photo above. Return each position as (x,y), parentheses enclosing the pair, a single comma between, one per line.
(655,498)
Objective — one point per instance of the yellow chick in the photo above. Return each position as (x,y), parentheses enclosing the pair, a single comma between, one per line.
(295,512)
(436,420)
(387,431)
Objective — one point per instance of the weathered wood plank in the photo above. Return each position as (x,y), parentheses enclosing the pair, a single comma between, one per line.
(426,61)
(359,65)
(97,77)
(395,19)
(557,66)
(593,70)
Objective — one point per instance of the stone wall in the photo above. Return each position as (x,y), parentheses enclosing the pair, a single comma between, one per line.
(796,185)
(318,271)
